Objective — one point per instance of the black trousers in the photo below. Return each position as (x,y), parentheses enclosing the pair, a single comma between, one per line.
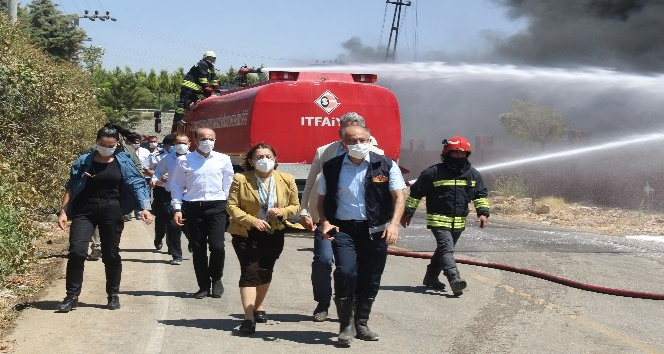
(160,197)
(360,260)
(258,253)
(206,225)
(106,215)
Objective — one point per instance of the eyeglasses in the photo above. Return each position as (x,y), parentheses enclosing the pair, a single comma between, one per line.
(356,141)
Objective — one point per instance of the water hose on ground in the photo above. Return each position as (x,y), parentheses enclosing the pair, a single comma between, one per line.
(542,275)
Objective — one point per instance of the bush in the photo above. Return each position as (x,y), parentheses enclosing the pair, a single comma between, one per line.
(48,116)
(511,185)
(554,203)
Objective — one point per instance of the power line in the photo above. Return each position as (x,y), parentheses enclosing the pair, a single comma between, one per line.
(390,53)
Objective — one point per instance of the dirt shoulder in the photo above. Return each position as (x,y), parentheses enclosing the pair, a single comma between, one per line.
(19,289)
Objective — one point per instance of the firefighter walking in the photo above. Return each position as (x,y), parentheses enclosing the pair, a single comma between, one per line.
(196,85)
(448,187)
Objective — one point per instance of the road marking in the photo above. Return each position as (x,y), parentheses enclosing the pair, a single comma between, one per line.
(567,313)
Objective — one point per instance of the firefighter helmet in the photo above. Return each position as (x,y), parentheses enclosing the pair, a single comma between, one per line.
(456,143)
(209,54)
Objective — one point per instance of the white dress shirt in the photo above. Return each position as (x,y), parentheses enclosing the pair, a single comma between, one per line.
(143,155)
(203,178)
(155,157)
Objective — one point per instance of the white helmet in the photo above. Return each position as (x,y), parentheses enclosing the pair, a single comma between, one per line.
(209,53)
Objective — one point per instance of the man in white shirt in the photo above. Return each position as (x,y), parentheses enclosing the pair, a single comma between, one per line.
(161,198)
(206,176)
(143,156)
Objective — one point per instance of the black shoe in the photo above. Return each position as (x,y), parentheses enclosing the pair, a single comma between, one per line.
(158,245)
(69,303)
(433,284)
(260,317)
(201,293)
(94,255)
(113,302)
(321,312)
(457,286)
(248,327)
(217,288)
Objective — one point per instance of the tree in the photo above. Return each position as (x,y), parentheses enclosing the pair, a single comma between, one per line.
(118,95)
(532,123)
(91,59)
(54,31)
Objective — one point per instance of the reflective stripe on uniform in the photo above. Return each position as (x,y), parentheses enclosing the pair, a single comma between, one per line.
(203,80)
(481,203)
(452,222)
(452,183)
(412,203)
(179,110)
(191,85)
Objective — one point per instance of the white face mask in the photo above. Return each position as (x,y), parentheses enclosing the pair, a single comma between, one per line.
(154,145)
(358,151)
(264,165)
(135,146)
(105,151)
(205,146)
(181,149)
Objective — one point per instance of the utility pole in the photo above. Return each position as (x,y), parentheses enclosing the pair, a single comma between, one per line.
(95,16)
(394,32)
(12,10)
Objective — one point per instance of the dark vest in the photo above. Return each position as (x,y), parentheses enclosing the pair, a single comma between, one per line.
(378,198)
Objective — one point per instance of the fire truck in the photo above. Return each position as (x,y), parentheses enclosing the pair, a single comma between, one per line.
(296,112)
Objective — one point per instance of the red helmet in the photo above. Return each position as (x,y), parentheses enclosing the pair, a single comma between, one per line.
(456,143)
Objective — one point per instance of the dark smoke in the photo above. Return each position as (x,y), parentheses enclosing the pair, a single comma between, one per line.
(621,34)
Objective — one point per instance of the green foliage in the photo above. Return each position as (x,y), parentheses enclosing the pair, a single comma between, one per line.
(91,59)
(54,31)
(510,185)
(532,123)
(48,116)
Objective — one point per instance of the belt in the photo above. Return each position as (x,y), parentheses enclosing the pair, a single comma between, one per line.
(355,223)
(101,200)
(203,203)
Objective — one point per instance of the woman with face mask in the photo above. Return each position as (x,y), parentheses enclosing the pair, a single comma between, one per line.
(259,202)
(104,184)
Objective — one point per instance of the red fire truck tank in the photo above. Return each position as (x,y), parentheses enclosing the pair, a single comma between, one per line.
(296,112)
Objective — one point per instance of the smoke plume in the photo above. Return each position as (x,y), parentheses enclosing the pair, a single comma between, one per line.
(620,34)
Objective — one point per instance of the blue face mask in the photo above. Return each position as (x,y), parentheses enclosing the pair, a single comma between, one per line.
(171,149)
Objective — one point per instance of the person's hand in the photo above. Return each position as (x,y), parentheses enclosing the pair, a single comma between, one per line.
(391,234)
(153,183)
(164,178)
(62,220)
(146,216)
(274,213)
(405,221)
(483,220)
(329,230)
(178,219)
(261,225)
(307,222)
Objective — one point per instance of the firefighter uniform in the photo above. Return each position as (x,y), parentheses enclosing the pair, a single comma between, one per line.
(196,85)
(448,187)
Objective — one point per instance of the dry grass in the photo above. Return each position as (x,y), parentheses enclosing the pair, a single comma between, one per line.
(555,203)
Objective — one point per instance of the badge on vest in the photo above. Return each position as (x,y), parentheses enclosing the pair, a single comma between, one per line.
(380,179)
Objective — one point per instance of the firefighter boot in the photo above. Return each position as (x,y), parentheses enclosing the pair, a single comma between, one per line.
(362,312)
(431,278)
(456,283)
(346,325)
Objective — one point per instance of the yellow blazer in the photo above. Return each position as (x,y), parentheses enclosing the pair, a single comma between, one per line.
(243,199)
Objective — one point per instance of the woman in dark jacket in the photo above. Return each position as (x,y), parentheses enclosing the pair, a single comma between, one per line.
(103,185)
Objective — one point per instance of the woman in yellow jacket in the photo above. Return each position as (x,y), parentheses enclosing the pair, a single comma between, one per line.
(259,202)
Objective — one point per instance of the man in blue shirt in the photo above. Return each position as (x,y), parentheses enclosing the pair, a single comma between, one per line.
(361,201)
(164,168)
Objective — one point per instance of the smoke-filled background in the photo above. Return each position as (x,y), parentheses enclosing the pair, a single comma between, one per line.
(598,62)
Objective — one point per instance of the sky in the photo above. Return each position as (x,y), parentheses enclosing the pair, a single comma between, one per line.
(171,34)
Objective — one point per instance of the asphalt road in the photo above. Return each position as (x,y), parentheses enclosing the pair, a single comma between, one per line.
(501,312)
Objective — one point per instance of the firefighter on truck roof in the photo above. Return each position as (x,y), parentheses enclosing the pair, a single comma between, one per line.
(196,85)
(448,187)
